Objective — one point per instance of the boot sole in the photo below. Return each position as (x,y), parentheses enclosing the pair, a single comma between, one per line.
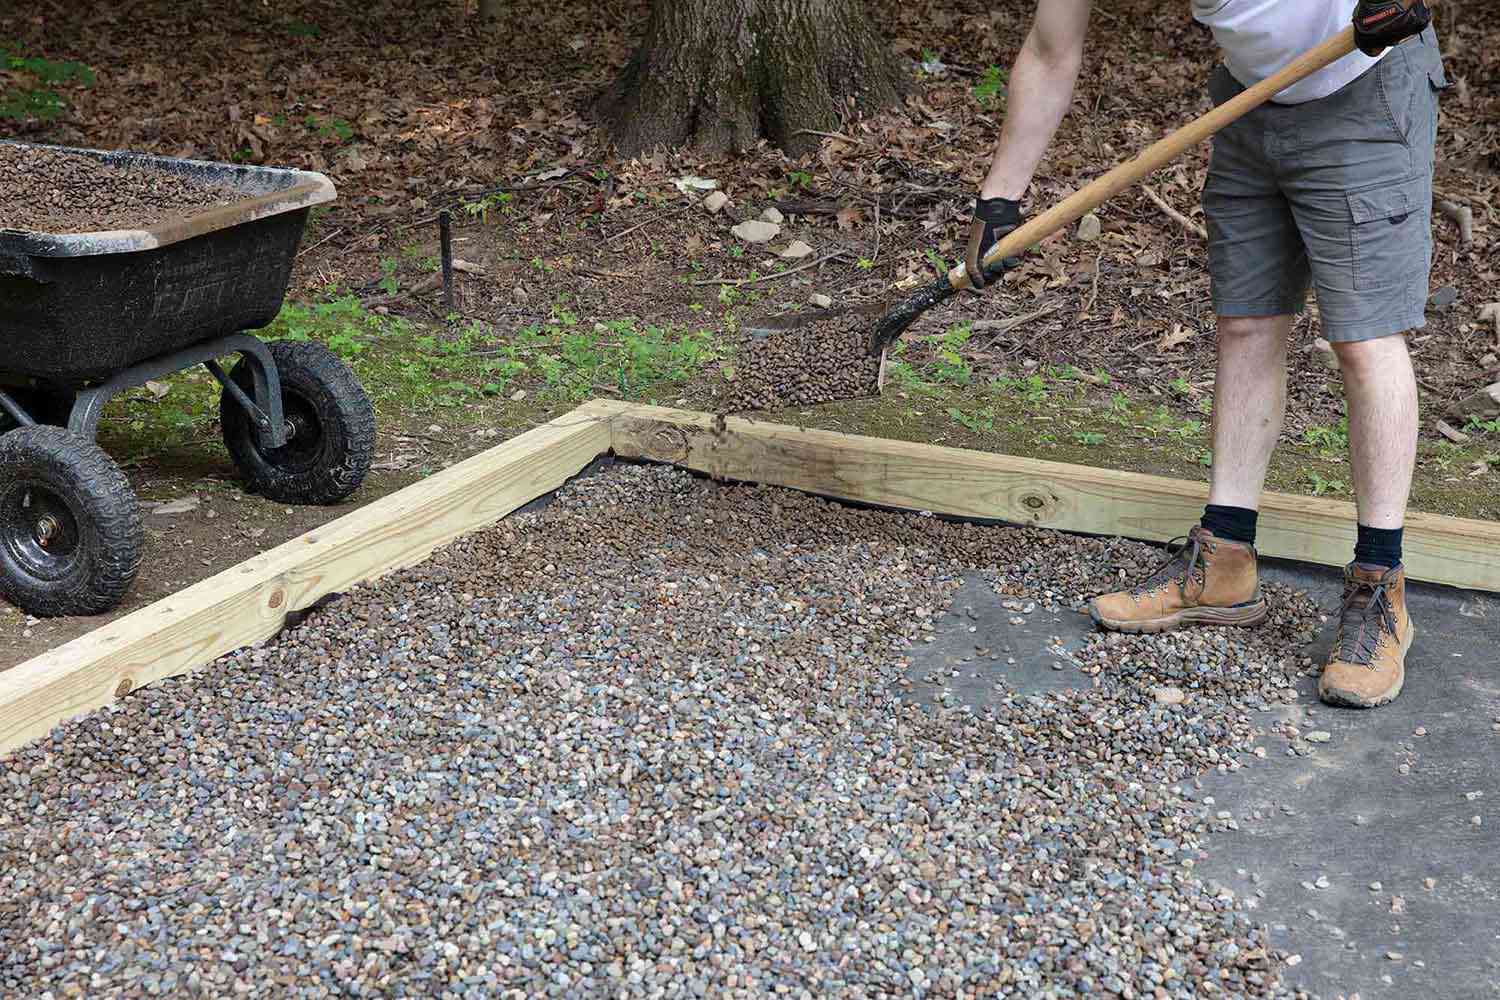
(1352,699)
(1241,615)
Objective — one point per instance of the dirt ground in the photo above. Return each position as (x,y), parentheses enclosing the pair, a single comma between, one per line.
(1096,351)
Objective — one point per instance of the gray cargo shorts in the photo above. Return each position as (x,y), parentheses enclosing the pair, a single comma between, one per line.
(1334,193)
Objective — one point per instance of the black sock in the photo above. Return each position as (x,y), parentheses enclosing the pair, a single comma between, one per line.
(1378,546)
(1234,524)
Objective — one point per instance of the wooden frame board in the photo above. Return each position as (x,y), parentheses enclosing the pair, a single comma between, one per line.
(250,602)
(980,485)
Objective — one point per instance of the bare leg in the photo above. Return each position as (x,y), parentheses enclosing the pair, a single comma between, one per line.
(1249,406)
(1381,390)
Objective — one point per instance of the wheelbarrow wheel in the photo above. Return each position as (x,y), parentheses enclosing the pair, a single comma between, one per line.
(328,416)
(70,528)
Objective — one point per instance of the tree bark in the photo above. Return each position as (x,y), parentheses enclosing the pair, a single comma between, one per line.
(721,74)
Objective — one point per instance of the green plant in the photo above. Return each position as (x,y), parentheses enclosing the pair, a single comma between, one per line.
(1478,426)
(980,420)
(301,29)
(865,264)
(37,98)
(480,208)
(1321,486)
(332,128)
(1090,438)
(1180,386)
(388,282)
(990,85)
(800,178)
(1329,442)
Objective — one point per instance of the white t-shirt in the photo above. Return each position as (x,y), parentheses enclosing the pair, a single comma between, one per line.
(1259,37)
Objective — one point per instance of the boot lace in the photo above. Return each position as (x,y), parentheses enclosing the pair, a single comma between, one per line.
(1182,564)
(1366,616)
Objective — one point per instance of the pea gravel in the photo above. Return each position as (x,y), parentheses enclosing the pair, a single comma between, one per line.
(821,362)
(650,741)
(51,191)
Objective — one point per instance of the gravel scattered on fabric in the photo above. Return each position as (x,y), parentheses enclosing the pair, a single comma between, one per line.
(650,741)
(49,191)
(826,360)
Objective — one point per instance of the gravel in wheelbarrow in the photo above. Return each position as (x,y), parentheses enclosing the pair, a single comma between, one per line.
(55,191)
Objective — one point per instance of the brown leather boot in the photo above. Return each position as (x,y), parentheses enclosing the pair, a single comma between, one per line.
(1208,581)
(1368,664)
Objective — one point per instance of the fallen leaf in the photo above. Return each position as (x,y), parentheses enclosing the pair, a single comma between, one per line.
(1175,339)
(179,506)
(849,216)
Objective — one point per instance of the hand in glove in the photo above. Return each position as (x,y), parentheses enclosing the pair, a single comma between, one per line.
(993,219)
(1379,24)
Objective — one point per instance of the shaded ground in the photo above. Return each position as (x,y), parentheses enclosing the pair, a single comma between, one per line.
(599,276)
(1409,902)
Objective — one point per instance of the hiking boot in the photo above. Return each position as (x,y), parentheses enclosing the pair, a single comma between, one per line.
(1368,664)
(1206,581)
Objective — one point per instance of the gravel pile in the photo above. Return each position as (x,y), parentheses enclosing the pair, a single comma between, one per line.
(824,361)
(649,741)
(47,191)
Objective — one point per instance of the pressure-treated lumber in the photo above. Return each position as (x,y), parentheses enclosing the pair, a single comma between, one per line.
(1455,551)
(249,602)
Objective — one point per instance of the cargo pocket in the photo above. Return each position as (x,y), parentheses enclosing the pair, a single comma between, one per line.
(1389,232)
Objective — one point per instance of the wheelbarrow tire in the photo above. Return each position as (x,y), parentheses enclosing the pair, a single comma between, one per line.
(332,423)
(70,528)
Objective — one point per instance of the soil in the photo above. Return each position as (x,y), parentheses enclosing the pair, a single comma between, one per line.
(826,360)
(47,191)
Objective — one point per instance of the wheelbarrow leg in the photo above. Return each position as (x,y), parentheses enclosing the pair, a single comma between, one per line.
(264,410)
(15,411)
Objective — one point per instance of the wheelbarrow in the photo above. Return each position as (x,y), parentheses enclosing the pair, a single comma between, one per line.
(86,316)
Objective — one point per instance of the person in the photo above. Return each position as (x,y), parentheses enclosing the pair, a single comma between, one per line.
(1328,185)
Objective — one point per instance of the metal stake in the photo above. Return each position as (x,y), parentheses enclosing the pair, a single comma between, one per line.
(445,236)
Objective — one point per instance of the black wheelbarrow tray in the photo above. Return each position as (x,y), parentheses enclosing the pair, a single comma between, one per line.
(85,316)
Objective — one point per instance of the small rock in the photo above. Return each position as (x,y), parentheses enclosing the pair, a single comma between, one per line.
(796,250)
(1376,886)
(1325,354)
(1429,883)
(714,202)
(1452,433)
(1169,695)
(1398,904)
(1294,960)
(1319,736)
(1420,731)
(1483,405)
(1471,796)
(1476,820)
(1089,228)
(820,300)
(773,216)
(1394,956)
(1442,298)
(1322,882)
(756,231)
(518,395)
(1360,821)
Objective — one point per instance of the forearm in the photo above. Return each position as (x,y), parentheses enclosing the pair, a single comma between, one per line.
(1040,92)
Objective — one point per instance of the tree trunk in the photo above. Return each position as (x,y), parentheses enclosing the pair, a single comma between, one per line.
(721,74)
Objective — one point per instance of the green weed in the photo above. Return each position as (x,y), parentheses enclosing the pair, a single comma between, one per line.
(990,85)
(37,97)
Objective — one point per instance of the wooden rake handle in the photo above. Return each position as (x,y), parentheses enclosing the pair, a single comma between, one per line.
(1081,202)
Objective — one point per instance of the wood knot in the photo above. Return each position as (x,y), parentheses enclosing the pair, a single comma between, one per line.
(669,444)
(1037,506)
(277,596)
(123,688)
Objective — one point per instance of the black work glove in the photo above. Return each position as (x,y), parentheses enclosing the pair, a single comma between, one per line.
(1379,24)
(993,219)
